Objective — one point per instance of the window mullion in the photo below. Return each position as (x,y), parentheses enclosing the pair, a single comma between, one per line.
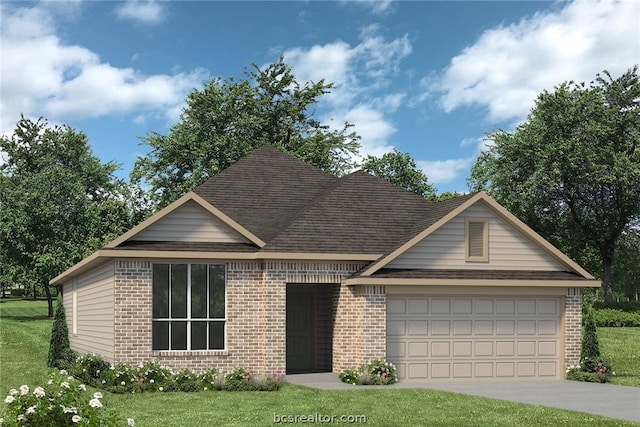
(188,307)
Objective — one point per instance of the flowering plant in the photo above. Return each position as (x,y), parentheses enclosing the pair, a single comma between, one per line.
(376,372)
(594,370)
(63,401)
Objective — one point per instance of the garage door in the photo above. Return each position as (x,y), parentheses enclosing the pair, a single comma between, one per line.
(479,337)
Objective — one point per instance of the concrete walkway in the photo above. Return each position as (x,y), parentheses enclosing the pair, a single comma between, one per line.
(608,400)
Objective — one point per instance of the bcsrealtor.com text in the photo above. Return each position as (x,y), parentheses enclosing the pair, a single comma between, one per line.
(318,418)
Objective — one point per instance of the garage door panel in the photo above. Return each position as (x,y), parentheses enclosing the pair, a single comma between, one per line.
(440,349)
(547,327)
(396,328)
(440,327)
(418,349)
(418,306)
(462,370)
(418,327)
(462,327)
(526,327)
(418,370)
(462,306)
(462,349)
(548,348)
(464,338)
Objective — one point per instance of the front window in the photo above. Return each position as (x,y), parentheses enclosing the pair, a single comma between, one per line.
(188,306)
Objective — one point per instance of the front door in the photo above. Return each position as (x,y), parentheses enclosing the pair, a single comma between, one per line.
(300,340)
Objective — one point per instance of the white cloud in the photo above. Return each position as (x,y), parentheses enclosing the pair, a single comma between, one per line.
(507,67)
(41,75)
(144,12)
(360,74)
(445,171)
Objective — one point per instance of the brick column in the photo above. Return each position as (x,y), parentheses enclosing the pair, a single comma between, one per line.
(572,326)
(132,311)
(374,322)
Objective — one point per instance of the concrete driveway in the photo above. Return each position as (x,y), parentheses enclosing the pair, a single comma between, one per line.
(599,399)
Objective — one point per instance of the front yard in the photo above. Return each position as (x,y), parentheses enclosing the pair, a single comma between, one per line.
(24,335)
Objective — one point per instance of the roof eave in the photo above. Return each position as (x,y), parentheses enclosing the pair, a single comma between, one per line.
(103,254)
(387,281)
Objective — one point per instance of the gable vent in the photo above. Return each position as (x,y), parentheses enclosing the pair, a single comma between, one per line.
(476,238)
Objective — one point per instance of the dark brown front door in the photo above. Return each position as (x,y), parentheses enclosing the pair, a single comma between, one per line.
(300,328)
(309,328)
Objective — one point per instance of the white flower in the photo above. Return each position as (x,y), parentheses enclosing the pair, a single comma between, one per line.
(64,384)
(50,382)
(151,381)
(97,371)
(82,387)
(21,417)
(95,403)
(31,410)
(161,388)
(39,392)
(104,381)
(122,383)
(24,389)
(13,392)
(97,395)
(76,418)
(9,399)
(63,372)
(131,422)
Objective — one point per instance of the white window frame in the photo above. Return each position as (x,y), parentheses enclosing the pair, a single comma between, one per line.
(189,319)
(485,240)
(74,307)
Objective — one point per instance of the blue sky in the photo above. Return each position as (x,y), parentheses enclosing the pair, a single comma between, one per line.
(426,77)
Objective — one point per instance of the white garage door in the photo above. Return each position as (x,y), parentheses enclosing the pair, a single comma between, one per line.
(473,337)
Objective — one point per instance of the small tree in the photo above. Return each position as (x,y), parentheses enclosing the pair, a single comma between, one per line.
(590,347)
(59,348)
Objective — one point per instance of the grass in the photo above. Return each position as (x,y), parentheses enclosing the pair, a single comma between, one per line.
(621,348)
(24,332)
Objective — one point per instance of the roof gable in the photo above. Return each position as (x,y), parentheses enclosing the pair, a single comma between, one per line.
(188,219)
(533,248)
(264,190)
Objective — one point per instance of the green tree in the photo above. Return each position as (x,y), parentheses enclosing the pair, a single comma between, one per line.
(59,348)
(401,170)
(226,120)
(572,170)
(626,266)
(58,203)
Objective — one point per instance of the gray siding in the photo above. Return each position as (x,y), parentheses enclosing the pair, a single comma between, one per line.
(95,311)
(189,223)
(445,248)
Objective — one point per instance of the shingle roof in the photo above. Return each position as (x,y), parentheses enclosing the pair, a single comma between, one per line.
(264,190)
(295,207)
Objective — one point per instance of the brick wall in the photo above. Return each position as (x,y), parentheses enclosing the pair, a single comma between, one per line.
(572,326)
(256,315)
(132,311)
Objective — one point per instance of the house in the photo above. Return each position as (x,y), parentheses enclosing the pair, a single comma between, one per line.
(276,266)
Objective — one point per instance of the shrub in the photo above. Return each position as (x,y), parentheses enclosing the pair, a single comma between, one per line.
(151,377)
(626,306)
(63,401)
(237,380)
(60,353)
(376,372)
(590,345)
(616,318)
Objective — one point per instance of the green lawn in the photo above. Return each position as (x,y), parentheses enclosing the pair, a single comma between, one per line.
(621,348)
(24,335)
